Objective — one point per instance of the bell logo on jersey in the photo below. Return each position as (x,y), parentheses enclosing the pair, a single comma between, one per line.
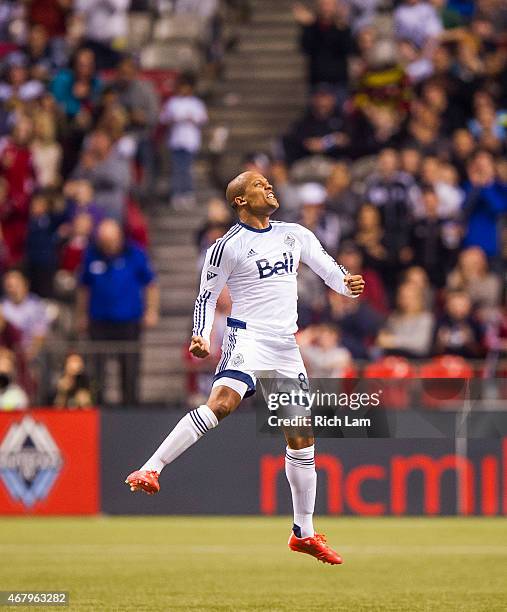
(286,266)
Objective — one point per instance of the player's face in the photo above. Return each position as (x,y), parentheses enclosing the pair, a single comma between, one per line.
(259,195)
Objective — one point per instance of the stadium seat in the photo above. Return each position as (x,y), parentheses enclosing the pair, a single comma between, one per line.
(178,27)
(180,56)
(350,371)
(140,27)
(394,373)
(315,168)
(362,168)
(447,366)
(163,80)
(445,394)
(390,367)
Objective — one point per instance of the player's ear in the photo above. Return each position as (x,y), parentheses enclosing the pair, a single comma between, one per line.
(239,201)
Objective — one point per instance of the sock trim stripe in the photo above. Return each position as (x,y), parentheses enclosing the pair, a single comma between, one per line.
(310,460)
(200,419)
(302,463)
(298,458)
(196,423)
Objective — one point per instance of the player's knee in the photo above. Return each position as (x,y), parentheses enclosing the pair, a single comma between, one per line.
(223,401)
(300,442)
(221,408)
(222,405)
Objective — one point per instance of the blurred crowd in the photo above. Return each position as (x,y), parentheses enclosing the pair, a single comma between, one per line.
(398,165)
(80,135)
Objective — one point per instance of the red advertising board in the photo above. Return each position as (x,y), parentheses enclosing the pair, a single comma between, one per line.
(49,462)
(376,485)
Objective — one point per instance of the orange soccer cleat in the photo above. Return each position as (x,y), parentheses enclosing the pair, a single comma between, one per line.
(316,546)
(144,480)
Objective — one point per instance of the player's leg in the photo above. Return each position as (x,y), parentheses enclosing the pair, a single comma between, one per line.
(300,469)
(222,401)
(302,477)
(300,450)
(299,453)
(229,388)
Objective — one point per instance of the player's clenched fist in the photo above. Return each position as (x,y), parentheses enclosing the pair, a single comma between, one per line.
(355,283)
(199,347)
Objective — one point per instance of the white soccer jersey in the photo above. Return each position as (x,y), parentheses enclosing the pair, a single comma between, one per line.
(260,267)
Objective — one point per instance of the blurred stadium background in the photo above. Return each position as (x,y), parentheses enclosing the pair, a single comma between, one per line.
(382,126)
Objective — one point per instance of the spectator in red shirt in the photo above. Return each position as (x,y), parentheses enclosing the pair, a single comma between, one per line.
(17,169)
(350,256)
(5,207)
(10,335)
(52,14)
(72,252)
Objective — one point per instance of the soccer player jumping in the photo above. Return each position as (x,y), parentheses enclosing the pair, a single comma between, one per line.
(258,260)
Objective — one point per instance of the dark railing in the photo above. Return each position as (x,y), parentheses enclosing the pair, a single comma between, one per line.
(111,383)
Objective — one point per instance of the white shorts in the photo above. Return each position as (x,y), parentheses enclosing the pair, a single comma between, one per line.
(247,356)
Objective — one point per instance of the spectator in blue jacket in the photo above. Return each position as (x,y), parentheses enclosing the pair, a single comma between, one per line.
(76,90)
(485,203)
(118,295)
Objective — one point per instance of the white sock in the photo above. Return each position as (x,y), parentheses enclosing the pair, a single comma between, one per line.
(302,477)
(186,432)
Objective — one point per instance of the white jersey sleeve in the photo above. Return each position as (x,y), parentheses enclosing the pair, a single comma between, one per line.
(315,256)
(218,264)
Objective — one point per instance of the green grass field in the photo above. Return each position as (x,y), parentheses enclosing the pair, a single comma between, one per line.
(239,563)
